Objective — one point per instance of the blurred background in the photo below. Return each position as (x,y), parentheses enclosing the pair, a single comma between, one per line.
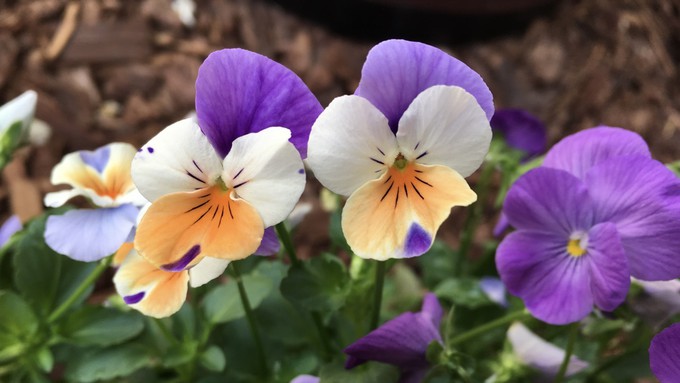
(115,70)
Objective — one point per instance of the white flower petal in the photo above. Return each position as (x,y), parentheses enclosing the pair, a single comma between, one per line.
(59,198)
(350,144)
(266,170)
(21,109)
(206,270)
(178,159)
(445,125)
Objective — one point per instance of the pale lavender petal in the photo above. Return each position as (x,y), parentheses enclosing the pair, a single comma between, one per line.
(97,159)
(240,92)
(609,273)
(270,244)
(521,130)
(11,226)
(579,152)
(494,290)
(664,355)
(629,191)
(432,310)
(554,285)
(90,234)
(549,200)
(305,379)
(396,71)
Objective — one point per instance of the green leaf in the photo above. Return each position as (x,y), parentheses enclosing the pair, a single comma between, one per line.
(320,284)
(101,326)
(179,354)
(10,141)
(368,373)
(108,363)
(223,303)
(44,277)
(18,325)
(462,292)
(213,359)
(44,359)
(335,232)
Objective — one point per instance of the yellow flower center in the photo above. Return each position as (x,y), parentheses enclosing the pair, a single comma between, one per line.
(574,247)
(400,162)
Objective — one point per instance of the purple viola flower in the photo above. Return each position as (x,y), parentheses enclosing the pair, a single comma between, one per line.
(306,379)
(11,226)
(402,341)
(521,130)
(597,212)
(664,355)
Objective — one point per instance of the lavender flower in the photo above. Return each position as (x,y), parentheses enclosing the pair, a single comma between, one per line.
(402,341)
(521,130)
(597,212)
(664,355)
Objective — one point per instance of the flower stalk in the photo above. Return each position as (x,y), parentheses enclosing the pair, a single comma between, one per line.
(573,331)
(378,292)
(475,332)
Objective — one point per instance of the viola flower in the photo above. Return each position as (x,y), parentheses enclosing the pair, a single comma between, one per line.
(103,177)
(599,210)
(521,130)
(494,290)
(217,182)
(401,147)
(402,341)
(15,120)
(664,354)
(305,379)
(8,228)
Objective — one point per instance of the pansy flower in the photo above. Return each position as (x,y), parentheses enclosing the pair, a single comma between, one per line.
(402,341)
(664,355)
(521,130)
(103,177)
(217,181)
(597,212)
(401,146)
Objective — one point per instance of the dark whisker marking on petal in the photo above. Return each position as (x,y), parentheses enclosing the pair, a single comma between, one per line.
(418,171)
(388,190)
(197,167)
(405,191)
(418,144)
(387,180)
(421,156)
(194,177)
(378,171)
(426,183)
(374,160)
(229,206)
(221,215)
(203,215)
(203,196)
(238,174)
(396,200)
(381,152)
(214,214)
(241,184)
(416,189)
(196,207)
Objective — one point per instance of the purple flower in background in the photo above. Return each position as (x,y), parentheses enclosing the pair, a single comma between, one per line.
(597,212)
(402,341)
(11,226)
(664,355)
(494,290)
(305,379)
(521,130)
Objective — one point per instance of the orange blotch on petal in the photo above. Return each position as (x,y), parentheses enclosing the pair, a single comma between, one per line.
(398,215)
(180,229)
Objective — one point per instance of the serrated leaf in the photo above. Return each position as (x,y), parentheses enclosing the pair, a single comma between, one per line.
(320,284)
(108,363)
(101,326)
(223,303)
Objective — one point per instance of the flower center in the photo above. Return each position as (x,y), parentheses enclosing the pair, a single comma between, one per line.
(219,182)
(577,244)
(400,162)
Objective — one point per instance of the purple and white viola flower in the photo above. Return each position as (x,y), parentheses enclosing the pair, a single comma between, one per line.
(494,290)
(401,146)
(664,354)
(542,356)
(598,211)
(402,341)
(103,177)
(20,109)
(8,228)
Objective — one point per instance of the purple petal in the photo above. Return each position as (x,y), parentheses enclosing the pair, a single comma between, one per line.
(11,226)
(609,273)
(628,191)
(521,130)
(270,244)
(96,159)
(401,341)
(581,151)
(305,379)
(554,285)
(432,310)
(494,289)
(90,234)
(549,200)
(664,355)
(240,92)
(396,71)
(501,226)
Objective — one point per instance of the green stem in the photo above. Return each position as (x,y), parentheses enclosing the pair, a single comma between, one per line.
(567,354)
(166,331)
(470,334)
(473,218)
(287,243)
(378,293)
(250,317)
(103,265)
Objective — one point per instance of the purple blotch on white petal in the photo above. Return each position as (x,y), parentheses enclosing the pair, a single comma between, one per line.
(418,241)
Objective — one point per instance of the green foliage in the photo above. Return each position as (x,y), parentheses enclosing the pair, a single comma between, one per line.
(10,141)
(213,359)
(368,373)
(223,303)
(462,292)
(107,363)
(18,326)
(318,284)
(101,326)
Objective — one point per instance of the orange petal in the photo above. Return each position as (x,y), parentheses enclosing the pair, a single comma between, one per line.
(122,253)
(398,215)
(180,229)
